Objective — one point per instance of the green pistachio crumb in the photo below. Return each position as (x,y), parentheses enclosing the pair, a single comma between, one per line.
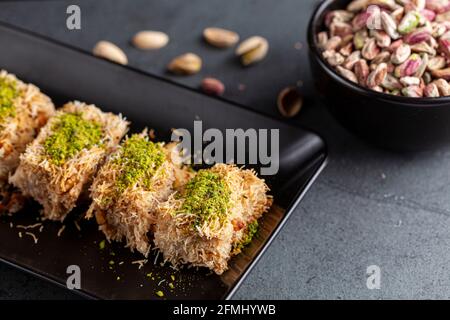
(8,92)
(71,134)
(207,197)
(250,232)
(160,293)
(139,160)
(102,244)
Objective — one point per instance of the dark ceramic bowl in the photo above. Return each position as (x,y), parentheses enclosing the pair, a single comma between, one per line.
(394,122)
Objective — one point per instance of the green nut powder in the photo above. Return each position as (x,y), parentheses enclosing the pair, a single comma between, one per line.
(139,160)
(8,92)
(250,232)
(207,197)
(71,134)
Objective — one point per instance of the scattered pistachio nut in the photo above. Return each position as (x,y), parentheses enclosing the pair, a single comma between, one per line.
(431,91)
(413,92)
(289,102)
(442,74)
(252,50)
(357,5)
(360,39)
(362,72)
(443,16)
(150,40)
(389,25)
(338,16)
(398,14)
(186,64)
(436,63)
(418,36)
(382,38)
(409,22)
(387,4)
(351,60)
(401,54)
(334,58)
(382,57)
(423,47)
(370,49)
(220,38)
(322,40)
(411,66)
(427,78)
(346,50)
(360,21)
(348,39)
(377,76)
(423,66)
(333,43)
(378,89)
(410,81)
(347,74)
(213,86)
(108,50)
(341,29)
(391,83)
(443,87)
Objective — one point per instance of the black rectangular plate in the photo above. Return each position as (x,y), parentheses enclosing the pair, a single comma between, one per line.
(66,73)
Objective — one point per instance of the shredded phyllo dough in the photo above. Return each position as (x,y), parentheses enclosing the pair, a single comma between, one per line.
(212,218)
(136,178)
(137,188)
(23,111)
(60,163)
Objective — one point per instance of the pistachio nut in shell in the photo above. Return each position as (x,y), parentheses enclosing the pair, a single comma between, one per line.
(220,38)
(213,86)
(347,74)
(186,64)
(252,50)
(289,102)
(150,40)
(108,50)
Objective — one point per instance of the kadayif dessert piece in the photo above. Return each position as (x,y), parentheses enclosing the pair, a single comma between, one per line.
(58,167)
(23,111)
(213,218)
(136,178)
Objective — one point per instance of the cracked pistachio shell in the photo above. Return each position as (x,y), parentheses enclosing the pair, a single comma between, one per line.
(252,50)
(409,22)
(186,64)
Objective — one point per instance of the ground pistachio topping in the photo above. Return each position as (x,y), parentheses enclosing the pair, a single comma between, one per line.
(207,197)
(139,160)
(8,92)
(250,232)
(71,134)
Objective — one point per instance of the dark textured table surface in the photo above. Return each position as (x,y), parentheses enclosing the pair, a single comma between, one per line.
(369,207)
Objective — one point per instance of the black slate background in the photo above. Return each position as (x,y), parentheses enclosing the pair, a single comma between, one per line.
(369,207)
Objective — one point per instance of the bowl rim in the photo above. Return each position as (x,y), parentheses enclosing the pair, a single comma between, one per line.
(313,48)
